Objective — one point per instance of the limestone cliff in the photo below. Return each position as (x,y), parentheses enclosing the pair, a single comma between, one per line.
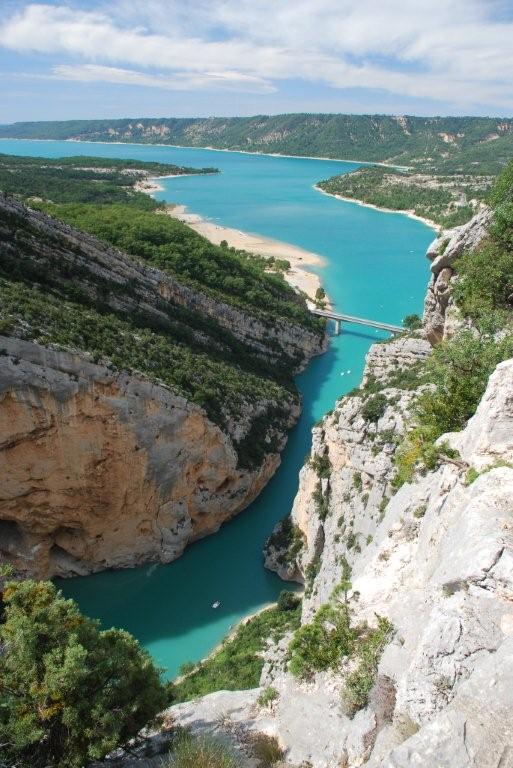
(435,558)
(440,314)
(103,467)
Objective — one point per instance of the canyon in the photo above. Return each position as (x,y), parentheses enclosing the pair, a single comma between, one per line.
(107,468)
(432,559)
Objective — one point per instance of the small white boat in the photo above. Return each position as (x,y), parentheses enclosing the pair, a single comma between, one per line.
(216,604)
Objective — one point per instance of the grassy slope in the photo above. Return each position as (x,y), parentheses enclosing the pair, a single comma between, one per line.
(237,663)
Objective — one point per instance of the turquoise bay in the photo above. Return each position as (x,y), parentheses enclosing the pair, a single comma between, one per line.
(374,267)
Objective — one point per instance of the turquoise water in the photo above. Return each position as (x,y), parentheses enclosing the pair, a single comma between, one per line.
(375,267)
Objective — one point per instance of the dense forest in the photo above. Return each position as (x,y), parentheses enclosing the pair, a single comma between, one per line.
(480,145)
(447,200)
(84,179)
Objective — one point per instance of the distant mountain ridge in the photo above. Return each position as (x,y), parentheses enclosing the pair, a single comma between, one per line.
(441,144)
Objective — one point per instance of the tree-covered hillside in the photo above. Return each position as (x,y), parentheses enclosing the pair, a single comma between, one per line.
(447,200)
(84,179)
(52,292)
(441,144)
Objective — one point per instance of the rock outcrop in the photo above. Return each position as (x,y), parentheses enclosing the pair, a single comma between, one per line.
(444,250)
(440,567)
(107,468)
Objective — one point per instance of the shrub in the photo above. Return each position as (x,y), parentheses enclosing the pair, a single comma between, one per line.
(311,571)
(202,752)
(267,696)
(374,408)
(321,644)
(321,501)
(288,601)
(266,749)
(321,465)
(459,369)
(357,481)
(69,693)
(320,298)
(412,322)
(358,683)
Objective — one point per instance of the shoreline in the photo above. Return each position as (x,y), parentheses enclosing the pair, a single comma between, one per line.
(149,184)
(298,276)
(410,214)
(218,149)
(226,639)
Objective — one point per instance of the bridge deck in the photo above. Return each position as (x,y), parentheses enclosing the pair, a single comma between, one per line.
(358,320)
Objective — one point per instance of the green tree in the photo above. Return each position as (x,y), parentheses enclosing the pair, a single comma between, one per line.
(320,297)
(374,407)
(412,322)
(69,693)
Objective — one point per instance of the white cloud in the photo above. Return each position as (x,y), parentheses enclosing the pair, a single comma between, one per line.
(450,51)
(180,81)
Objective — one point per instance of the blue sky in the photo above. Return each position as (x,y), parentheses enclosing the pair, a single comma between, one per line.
(87,58)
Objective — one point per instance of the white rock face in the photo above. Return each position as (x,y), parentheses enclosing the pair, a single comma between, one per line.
(440,568)
(488,437)
(441,317)
(361,456)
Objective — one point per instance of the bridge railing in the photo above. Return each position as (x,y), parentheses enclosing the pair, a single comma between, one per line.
(341,318)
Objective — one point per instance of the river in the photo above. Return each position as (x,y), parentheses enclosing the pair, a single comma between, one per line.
(375,267)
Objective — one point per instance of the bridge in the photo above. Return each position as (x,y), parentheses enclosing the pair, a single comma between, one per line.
(338,318)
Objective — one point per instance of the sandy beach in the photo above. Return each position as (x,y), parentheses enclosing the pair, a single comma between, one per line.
(298,275)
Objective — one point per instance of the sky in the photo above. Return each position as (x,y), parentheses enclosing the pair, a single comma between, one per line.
(159,58)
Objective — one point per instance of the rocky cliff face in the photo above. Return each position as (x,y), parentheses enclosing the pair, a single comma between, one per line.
(435,558)
(105,468)
(440,314)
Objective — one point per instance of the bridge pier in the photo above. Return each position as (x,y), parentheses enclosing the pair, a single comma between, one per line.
(337,327)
